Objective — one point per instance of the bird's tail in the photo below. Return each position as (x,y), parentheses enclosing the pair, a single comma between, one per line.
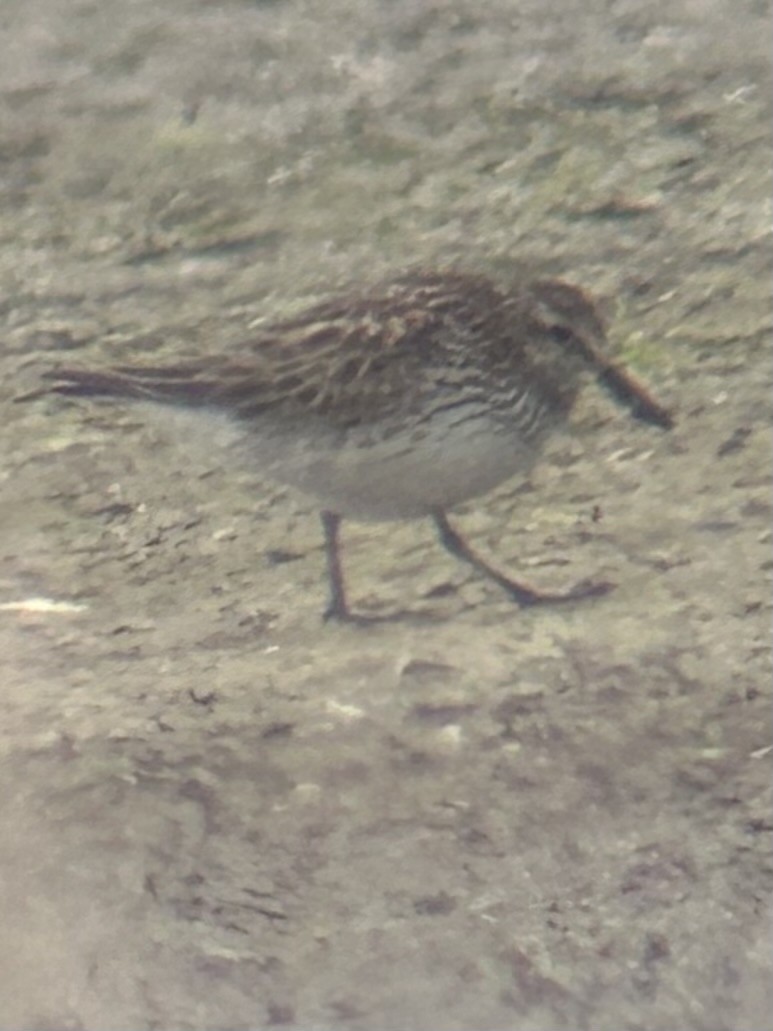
(154,383)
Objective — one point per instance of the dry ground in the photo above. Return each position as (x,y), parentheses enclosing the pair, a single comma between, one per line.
(218,813)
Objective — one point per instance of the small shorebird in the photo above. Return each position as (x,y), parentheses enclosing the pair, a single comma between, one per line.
(400,401)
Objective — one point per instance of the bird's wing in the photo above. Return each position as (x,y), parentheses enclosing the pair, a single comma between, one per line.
(345,360)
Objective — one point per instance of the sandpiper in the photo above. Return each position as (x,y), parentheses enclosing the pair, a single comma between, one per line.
(400,401)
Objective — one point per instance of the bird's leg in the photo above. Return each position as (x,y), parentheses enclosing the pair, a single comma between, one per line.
(337,607)
(521,593)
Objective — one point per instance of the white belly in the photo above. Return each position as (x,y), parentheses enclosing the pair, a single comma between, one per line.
(361,474)
(402,478)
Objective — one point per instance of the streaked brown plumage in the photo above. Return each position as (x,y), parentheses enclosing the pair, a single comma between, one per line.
(400,401)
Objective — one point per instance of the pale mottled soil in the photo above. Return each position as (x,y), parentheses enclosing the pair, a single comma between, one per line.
(217,813)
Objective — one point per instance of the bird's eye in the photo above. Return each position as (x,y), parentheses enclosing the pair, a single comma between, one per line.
(561,334)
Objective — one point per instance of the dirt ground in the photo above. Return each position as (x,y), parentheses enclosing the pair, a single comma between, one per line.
(217,812)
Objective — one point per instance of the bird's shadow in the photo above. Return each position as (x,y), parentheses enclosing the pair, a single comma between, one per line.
(361,619)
